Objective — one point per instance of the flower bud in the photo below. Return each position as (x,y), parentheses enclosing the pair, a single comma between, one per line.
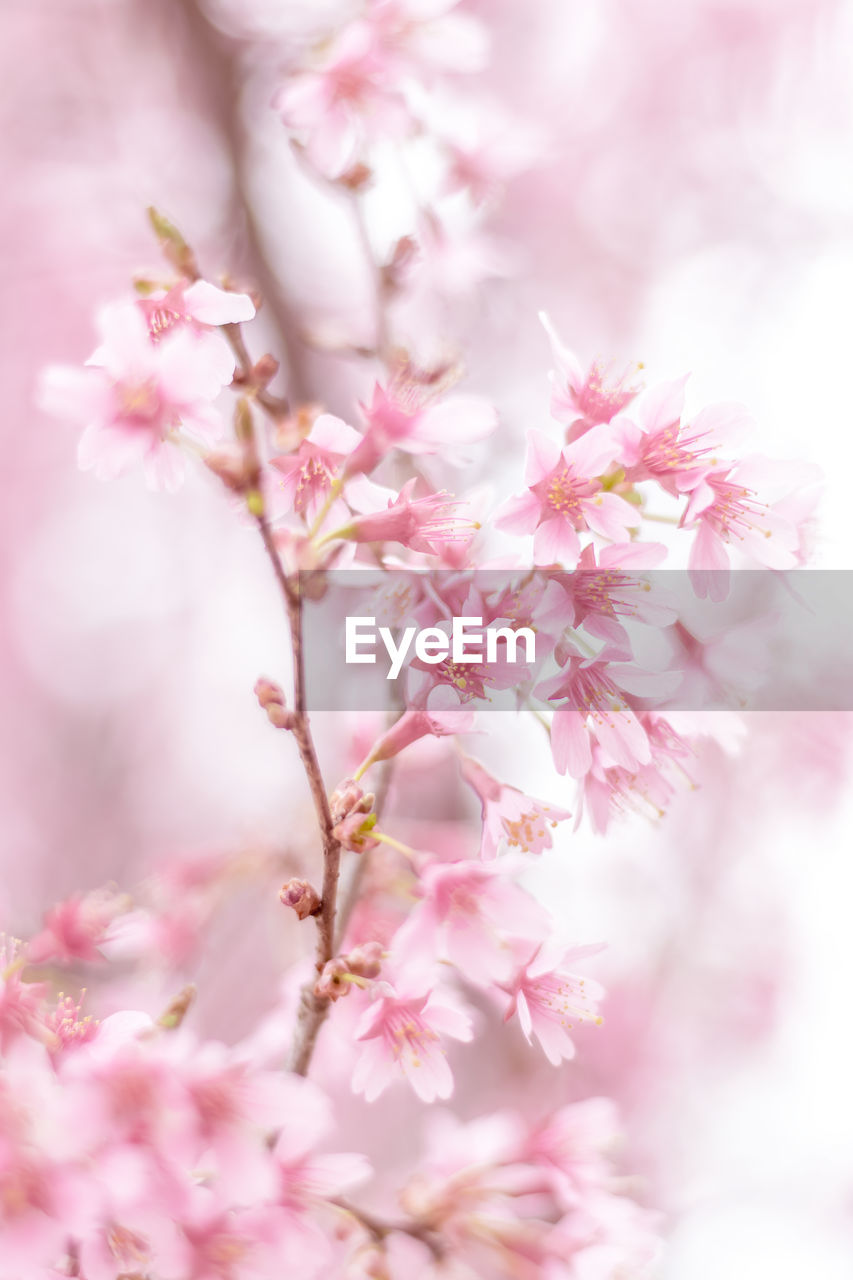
(301,897)
(175,1012)
(264,370)
(271,698)
(353,831)
(356,178)
(331,984)
(366,960)
(402,259)
(229,464)
(347,797)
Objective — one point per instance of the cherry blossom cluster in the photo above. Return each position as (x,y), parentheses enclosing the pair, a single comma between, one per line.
(312,484)
(131,1149)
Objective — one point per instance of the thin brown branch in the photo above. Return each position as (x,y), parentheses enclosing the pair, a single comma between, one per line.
(277,407)
(380,1228)
(352,892)
(313,1008)
(219,58)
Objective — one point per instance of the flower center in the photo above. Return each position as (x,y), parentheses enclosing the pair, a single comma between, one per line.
(139,402)
(161,320)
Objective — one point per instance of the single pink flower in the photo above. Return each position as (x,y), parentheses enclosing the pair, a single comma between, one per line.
(550,1000)
(602,594)
(596,708)
(565,497)
(584,400)
(136,396)
(609,790)
(77,929)
(466,914)
(402,1037)
(441,715)
(410,415)
(571,1146)
(658,445)
(199,309)
(726,511)
(347,98)
(309,472)
(470,681)
(416,523)
(508,815)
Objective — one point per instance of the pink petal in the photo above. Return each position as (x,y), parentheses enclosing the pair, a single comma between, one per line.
(458,420)
(519,514)
(570,743)
(662,405)
(593,452)
(556,542)
(543,455)
(610,515)
(333,434)
(523,1010)
(565,359)
(210,305)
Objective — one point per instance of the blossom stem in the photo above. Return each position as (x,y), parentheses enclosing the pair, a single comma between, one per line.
(660,519)
(334,490)
(393,844)
(352,891)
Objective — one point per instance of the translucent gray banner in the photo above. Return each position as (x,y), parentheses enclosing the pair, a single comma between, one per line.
(506,639)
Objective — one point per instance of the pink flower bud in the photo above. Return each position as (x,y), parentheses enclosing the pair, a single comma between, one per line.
(331,984)
(271,698)
(348,797)
(265,370)
(353,831)
(366,960)
(229,464)
(301,897)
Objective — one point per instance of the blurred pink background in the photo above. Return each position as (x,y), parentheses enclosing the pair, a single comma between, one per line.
(691,206)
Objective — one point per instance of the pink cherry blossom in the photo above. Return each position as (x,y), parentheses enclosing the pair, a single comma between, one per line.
(550,1000)
(411,415)
(441,714)
(136,397)
(510,816)
(726,511)
(401,1036)
(603,593)
(308,473)
(583,400)
(466,913)
(67,1027)
(77,928)
(346,98)
(565,496)
(199,306)
(596,707)
(416,523)
(571,1146)
(470,681)
(609,790)
(658,444)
